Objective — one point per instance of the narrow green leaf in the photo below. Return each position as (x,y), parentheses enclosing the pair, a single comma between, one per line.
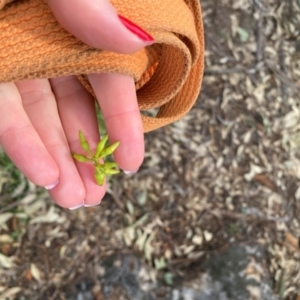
(84,143)
(110,165)
(111,171)
(101,146)
(99,177)
(81,158)
(109,150)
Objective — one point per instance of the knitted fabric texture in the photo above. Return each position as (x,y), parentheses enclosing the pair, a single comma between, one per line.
(4,2)
(168,74)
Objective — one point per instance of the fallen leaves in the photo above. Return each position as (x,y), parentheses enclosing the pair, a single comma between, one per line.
(51,216)
(228,171)
(291,242)
(265,180)
(35,272)
(6,262)
(10,293)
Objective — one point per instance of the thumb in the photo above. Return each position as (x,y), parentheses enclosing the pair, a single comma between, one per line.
(97,24)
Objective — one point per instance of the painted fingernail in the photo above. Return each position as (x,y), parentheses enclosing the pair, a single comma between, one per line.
(138,31)
(130,172)
(76,207)
(51,186)
(91,205)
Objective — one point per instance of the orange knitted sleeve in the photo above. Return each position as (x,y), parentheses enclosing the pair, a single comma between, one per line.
(168,74)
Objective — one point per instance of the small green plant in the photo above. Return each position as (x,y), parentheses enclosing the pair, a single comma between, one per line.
(101,168)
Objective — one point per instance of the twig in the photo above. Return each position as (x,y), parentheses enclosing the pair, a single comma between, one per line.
(117,200)
(256,215)
(260,38)
(283,68)
(220,71)
(10,206)
(185,261)
(224,71)
(281,57)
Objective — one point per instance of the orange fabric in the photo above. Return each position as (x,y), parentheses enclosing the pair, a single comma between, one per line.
(4,2)
(168,74)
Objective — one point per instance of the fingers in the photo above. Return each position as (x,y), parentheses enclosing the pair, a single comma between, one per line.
(77,112)
(21,142)
(97,24)
(40,106)
(41,146)
(116,95)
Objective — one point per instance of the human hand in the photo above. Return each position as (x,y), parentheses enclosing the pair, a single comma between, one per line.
(41,118)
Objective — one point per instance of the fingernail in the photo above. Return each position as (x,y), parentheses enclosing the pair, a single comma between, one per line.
(51,186)
(91,205)
(138,31)
(129,172)
(76,207)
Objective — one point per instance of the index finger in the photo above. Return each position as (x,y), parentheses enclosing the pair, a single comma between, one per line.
(116,95)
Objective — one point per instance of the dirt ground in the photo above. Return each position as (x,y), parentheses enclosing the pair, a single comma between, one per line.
(226,173)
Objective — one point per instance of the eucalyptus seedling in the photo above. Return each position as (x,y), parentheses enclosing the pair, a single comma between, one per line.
(102,151)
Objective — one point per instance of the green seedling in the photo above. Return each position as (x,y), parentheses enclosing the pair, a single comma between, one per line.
(102,168)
